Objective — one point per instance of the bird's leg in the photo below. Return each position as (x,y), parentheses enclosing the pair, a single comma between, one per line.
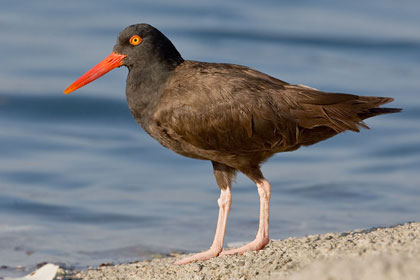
(262,238)
(224,201)
(224,175)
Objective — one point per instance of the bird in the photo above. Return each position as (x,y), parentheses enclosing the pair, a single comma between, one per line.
(232,115)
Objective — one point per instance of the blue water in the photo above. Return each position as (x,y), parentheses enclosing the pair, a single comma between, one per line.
(81,183)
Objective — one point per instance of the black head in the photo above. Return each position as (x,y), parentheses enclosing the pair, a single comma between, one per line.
(145,46)
(139,46)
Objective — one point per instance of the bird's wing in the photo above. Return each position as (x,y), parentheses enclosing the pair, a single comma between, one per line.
(220,108)
(238,109)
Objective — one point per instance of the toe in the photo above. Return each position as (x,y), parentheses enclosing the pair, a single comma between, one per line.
(255,245)
(199,257)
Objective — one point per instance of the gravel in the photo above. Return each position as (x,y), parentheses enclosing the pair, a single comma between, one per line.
(379,253)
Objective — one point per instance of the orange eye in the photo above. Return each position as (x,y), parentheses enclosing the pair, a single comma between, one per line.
(135,40)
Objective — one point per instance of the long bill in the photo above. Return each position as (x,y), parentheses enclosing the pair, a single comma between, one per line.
(112,61)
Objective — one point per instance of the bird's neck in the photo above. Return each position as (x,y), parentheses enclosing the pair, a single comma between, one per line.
(144,89)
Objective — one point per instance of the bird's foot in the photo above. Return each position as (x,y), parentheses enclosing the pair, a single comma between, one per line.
(256,245)
(203,256)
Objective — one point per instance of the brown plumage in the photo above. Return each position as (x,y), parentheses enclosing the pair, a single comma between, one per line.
(240,117)
(232,115)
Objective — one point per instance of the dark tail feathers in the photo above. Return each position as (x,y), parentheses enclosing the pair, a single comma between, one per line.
(374,109)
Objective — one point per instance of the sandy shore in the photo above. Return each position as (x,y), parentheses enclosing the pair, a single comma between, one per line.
(379,253)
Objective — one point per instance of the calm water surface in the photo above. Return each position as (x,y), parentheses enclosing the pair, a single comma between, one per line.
(81,183)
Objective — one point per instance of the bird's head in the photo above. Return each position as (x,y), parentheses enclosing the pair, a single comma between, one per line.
(138,46)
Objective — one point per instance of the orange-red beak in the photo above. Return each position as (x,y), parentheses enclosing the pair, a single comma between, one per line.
(114,60)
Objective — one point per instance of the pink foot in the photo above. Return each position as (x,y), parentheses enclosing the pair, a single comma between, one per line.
(203,256)
(256,245)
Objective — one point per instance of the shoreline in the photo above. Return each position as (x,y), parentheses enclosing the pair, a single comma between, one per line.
(377,253)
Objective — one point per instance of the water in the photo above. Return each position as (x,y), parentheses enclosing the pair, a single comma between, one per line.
(82,184)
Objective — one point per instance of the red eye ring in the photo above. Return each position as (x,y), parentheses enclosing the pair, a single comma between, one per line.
(135,40)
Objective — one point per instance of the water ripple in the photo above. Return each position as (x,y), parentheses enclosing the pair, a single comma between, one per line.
(70,214)
(304,39)
(60,108)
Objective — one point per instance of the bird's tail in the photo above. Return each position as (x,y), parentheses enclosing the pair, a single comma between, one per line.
(373,106)
(324,115)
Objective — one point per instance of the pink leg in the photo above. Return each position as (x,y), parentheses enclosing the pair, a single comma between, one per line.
(224,201)
(262,238)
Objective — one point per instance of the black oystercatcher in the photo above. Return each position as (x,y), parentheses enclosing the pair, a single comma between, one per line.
(232,115)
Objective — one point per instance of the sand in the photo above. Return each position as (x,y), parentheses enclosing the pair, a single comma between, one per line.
(379,253)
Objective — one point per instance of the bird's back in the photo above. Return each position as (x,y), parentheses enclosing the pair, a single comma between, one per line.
(231,113)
